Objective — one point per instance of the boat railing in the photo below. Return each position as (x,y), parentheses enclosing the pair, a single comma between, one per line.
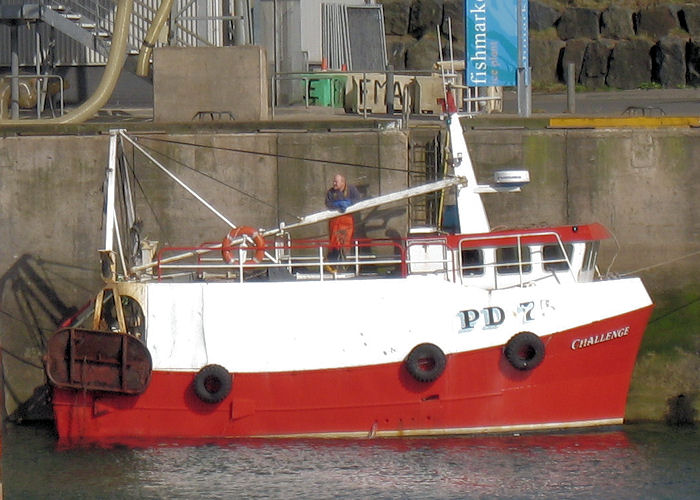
(304,259)
(487,261)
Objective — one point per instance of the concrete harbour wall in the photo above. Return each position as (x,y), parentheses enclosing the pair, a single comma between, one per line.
(642,184)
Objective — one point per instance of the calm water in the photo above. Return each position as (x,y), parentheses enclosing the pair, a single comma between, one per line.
(631,462)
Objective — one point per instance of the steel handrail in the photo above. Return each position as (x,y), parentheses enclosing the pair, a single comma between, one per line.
(202,260)
(39,91)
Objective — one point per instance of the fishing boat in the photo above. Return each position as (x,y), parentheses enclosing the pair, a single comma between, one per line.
(472,331)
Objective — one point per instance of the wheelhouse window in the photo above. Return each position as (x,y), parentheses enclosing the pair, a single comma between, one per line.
(472,262)
(553,257)
(591,255)
(508,262)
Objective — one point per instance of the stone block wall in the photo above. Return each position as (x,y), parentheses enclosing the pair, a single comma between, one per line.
(614,46)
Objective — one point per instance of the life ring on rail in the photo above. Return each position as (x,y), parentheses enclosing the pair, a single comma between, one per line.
(212,383)
(524,351)
(426,362)
(230,254)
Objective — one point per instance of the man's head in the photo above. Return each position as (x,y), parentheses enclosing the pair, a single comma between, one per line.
(339,182)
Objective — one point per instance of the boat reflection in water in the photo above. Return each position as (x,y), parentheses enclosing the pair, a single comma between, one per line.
(630,463)
(564,442)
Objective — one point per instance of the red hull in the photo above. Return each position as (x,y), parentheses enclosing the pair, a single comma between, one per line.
(478,392)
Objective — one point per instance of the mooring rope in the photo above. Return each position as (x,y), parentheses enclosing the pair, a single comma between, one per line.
(674,311)
(664,263)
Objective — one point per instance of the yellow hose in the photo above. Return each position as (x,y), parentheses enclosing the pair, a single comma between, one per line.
(149,40)
(115,63)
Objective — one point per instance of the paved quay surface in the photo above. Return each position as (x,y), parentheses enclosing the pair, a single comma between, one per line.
(613,103)
(610,103)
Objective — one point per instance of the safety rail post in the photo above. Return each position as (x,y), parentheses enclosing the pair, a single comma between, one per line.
(406,107)
(364,94)
(571,88)
(14,71)
(273,97)
(320,263)
(274,101)
(520,259)
(356,255)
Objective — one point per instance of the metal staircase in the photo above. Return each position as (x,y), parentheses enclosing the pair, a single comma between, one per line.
(45,34)
(33,30)
(90,22)
(77,26)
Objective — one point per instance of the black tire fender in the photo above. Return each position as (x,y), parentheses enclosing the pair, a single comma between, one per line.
(212,383)
(524,351)
(426,362)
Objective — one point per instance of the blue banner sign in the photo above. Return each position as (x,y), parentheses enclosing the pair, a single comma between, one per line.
(493,30)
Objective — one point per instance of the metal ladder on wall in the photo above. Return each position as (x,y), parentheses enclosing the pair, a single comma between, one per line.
(424,167)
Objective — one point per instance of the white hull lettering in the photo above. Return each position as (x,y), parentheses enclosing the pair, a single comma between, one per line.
(597,339)
(526,309)
(493,316)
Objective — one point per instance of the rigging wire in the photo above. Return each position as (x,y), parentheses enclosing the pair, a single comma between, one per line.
(131,168)
(21,359)
(209,176)
(277,155)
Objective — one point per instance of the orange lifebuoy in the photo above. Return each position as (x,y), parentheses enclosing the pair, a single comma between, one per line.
(230,254)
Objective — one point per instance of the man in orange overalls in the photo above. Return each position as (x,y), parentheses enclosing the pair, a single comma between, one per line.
(339,197)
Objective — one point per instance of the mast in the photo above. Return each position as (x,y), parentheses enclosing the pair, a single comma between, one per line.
(110,182)
(470,208)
